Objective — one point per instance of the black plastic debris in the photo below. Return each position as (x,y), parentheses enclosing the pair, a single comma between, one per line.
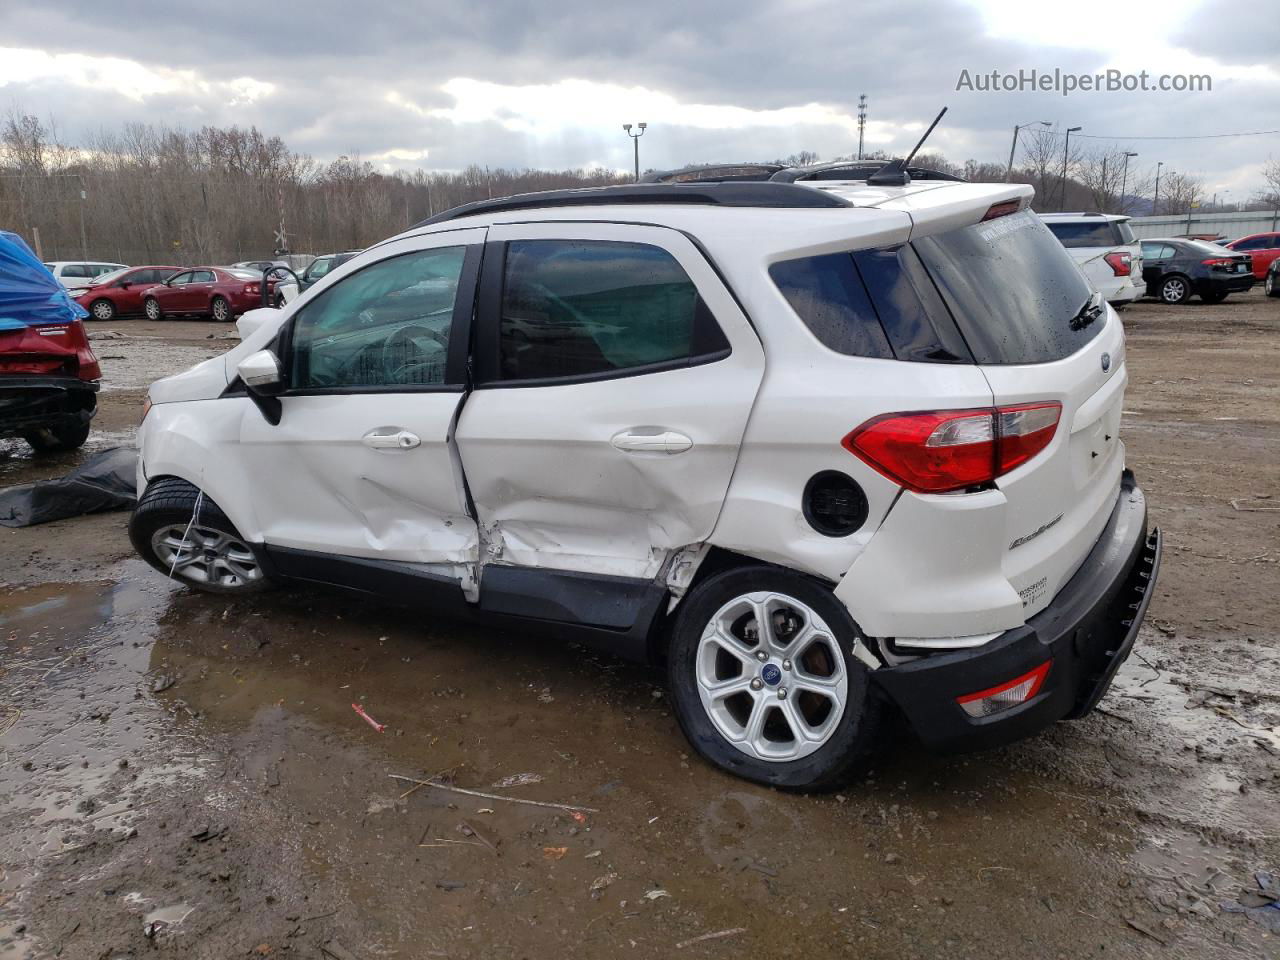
(106,481)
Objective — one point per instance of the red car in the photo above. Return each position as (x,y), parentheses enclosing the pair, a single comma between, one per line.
(1263,247)
(119,293)
(218,292)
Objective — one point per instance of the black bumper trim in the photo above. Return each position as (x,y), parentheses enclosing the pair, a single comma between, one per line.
(39,402)
(1087,632)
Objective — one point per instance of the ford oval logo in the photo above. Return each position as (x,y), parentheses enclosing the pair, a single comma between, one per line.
(1106,362)
(771,674)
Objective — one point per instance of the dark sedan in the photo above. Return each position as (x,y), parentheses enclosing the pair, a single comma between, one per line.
(1176,269)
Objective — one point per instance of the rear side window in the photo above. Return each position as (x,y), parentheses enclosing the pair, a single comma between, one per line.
(1014,292)
(593,308)
(828,295)
(1092,233)
(872,303)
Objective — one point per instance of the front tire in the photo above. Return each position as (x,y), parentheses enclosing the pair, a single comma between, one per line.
(58,439)
(1175,289)
(1270,286)
(220,309)
(790,706)
(151,307)
(193,542)
(102,310)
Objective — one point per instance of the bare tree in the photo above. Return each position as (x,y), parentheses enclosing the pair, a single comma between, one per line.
(1179,192)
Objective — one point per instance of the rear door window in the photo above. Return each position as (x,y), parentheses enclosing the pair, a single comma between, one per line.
(599,308)
(1014,292)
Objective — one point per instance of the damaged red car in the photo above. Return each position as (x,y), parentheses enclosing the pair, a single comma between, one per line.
(48,373)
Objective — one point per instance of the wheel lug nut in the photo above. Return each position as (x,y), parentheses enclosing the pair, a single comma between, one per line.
(782,693)
(761,656)
(786,664)
(756,684)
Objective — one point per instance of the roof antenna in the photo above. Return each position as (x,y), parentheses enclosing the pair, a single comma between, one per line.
(894,173)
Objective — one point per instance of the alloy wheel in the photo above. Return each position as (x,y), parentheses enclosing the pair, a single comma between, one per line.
(771,676)
(1174,290)
(205,555)
(102,310)
(220,310)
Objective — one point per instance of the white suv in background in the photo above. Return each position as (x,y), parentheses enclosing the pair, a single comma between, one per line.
(77,274)
(801,441)
(1104,246)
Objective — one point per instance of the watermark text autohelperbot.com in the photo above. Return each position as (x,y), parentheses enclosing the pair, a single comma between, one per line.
(1058,81)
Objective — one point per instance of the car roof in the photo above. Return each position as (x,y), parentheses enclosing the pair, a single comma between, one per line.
(1083,215)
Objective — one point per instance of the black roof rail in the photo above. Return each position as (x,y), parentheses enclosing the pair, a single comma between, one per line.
(853,170)
(780,195)
(714,173)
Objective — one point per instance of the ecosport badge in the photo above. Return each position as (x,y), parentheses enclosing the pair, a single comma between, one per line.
(1034,533)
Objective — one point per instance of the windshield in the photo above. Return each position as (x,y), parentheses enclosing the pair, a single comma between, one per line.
(1015,292)
(113,275)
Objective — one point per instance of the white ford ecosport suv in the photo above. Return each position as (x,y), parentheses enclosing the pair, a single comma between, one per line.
(827,448)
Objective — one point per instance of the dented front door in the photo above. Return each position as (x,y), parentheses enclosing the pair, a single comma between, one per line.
(362,462)
(614,377)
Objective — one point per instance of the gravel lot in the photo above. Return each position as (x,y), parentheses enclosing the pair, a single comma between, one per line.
(186,777)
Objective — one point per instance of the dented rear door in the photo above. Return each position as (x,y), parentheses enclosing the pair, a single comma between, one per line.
(615,376)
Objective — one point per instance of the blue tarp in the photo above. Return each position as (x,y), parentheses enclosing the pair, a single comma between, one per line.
(29,294)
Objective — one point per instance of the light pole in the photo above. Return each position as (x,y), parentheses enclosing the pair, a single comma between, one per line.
(1155,201)
(1008,173)
(635,140)
(1066,147)
(1124,177)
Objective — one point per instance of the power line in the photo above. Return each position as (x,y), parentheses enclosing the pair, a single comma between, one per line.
(1202,136)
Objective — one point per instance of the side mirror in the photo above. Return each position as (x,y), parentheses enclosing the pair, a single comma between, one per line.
(261,375)
(251,320)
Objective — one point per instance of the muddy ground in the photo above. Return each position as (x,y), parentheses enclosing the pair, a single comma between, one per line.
(185,776)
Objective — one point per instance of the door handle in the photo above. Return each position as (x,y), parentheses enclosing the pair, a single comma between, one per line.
(390,438)
(658,441)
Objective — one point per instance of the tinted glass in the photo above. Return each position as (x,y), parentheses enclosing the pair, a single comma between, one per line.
(912,314)
(1124,232)
(75,270)
(385,325)
(202,276)
(827,294)
(574,308)
(1091,233)
(1015,293)
(181,278)
(1203,247)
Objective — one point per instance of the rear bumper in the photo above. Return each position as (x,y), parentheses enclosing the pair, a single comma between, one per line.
(1087,632)
(34,403)
(1236,284)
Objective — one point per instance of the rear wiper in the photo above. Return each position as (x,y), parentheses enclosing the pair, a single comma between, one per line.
(1086,315)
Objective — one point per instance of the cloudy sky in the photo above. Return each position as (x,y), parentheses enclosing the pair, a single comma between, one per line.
(440,84)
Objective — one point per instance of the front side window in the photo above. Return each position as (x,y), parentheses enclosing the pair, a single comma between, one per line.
(384,326)
(590,308)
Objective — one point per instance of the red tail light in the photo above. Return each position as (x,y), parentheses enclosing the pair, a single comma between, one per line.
(253,289)
(940,451)
(1121,263)
(1218,262)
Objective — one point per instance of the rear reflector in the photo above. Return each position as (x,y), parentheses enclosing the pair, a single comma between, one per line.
(1121,263)
(993,700)
(940,451)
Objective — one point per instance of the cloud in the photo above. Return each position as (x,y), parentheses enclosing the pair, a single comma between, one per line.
(513,82)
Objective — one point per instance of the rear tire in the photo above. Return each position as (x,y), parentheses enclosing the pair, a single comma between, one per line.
(102,310)
(57,439)
(806,717)
(220,309)
(151,307)
(1270,286)
(1175,289)
(203,550)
